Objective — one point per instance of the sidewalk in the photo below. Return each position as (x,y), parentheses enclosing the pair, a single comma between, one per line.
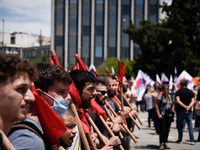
(148,141)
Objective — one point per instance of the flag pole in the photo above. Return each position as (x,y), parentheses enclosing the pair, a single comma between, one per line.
(97,130)
(111,118)
(108,129)
(80,128)
(124,126)
(132,109)
(129,114)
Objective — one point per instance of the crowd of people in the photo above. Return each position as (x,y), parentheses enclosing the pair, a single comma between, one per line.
(108,111)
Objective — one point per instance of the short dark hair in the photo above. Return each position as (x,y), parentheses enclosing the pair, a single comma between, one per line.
(109,76)
(48,74)
(81,77)
(68,112)
(184,83)
(11,64)
(100,80)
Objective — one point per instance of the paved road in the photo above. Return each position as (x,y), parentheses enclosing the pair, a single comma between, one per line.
(148,141)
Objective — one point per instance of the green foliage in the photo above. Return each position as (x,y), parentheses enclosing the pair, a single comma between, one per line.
(173,42)
(43,58)
(108,63)
(113,62)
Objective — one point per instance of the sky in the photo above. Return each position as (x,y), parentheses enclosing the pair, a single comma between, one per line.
(28,16)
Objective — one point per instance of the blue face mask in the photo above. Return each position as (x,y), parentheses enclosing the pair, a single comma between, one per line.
(60,105)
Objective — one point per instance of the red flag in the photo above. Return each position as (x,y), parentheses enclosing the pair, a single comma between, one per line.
(83,117)
(76,67)
(125,65)
(51,123)
(54,60)
(120,73)
(71,88)
(108,72)
(95,73)
(80,64)
(97,109)
(74,94)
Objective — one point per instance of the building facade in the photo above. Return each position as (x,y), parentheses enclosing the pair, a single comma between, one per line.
(25,45)
(93,28)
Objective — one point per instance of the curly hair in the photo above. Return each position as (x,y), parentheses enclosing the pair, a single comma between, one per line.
(50,73)
(11,64)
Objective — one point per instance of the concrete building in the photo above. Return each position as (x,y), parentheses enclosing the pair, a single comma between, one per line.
(24,44)
(93,28)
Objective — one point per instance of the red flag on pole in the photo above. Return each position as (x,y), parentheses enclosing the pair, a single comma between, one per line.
(97,109)
(108,72)
(74,94)
(51,123)
(125,65)
(71,88)
(120,73)
(54,59)
(83,117)
(80,64)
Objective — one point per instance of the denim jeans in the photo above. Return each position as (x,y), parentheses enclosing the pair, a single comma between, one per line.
(180,123)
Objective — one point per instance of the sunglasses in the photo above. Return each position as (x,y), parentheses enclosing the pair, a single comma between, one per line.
(102,92)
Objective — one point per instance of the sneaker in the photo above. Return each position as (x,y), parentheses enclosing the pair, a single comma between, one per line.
(161,147)
(192,143)
(165,146)
(179,141)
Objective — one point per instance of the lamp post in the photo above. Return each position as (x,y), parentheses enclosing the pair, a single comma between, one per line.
(2,34)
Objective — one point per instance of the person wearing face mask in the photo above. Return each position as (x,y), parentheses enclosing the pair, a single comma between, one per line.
(52,85)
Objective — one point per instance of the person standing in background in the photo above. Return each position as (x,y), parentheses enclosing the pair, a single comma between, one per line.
(185,101)
(165,110)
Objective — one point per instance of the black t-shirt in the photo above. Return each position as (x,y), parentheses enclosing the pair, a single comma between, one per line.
(112,104)
(128,120)
(186,96)
(96,120)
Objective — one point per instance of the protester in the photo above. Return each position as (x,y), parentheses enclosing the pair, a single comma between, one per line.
(85,84)
(185,101)
(150,105)
(69,119)
(165,111)
(131,93)
(158,91)
(101,98)
(16,75)
(52,85)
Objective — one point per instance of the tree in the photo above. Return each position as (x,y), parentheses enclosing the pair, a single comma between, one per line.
(173,42)
(113,61)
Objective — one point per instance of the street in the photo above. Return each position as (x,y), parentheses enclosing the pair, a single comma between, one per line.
(148,141)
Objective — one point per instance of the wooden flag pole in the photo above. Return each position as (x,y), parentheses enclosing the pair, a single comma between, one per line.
(97,130)
(108,129)
(132,109)
(122,100)
(135,122)
(124,126)
(80,128)
(111,118)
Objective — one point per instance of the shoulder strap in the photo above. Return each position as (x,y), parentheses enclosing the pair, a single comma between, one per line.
(29,126)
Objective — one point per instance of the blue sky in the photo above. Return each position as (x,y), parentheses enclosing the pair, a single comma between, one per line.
(29,16)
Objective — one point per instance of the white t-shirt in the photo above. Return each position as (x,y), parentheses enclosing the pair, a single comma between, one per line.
(76,145)
(149,101)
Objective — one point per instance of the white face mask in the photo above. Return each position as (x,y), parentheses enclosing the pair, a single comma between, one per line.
(60,105)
